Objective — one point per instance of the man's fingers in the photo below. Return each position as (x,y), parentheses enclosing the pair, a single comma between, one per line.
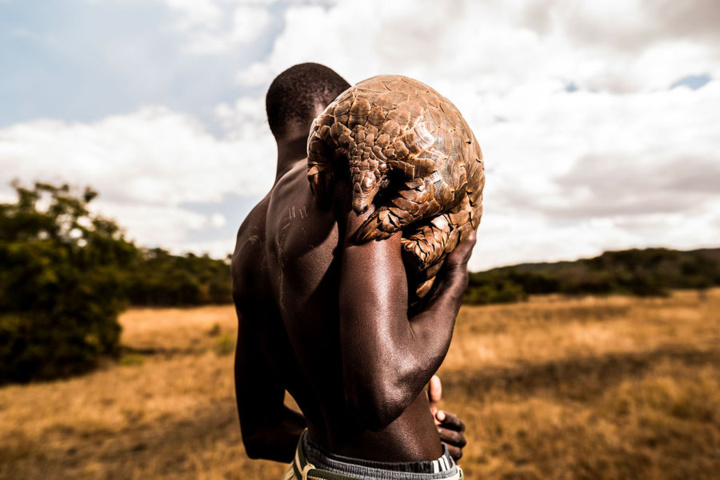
(462,252)
(435,389)
(450,421)
(455,452)
(434,393)
(452,437)
(451,433)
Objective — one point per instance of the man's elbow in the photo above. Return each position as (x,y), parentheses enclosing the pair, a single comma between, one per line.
(379,405)
(260,448)
(255,445)
(254,451)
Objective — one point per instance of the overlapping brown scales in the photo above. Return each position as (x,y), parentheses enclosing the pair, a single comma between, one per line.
(396,135)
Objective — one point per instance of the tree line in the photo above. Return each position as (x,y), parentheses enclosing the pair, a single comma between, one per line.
(640,272)
(66,274)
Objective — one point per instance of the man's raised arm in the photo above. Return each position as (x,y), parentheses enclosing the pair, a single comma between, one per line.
(387,357)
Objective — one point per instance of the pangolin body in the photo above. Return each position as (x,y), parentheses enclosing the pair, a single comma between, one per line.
(396,136)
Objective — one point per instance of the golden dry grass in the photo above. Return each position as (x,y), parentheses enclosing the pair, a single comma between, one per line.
(592,388)
(606,388)
(177,330)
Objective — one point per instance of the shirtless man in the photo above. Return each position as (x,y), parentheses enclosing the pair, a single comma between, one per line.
(327,321)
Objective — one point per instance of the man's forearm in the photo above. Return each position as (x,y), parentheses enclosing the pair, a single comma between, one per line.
(432,329)
(388,358)
(444,306)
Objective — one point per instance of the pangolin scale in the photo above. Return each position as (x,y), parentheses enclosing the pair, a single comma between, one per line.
(395,136)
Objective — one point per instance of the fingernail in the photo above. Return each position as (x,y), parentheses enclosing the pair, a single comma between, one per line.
(441,415)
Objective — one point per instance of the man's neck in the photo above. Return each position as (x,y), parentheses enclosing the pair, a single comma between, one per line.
(289,152)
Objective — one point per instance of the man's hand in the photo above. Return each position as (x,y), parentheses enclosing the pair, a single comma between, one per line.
(450,428)
(452,279)
(461,255)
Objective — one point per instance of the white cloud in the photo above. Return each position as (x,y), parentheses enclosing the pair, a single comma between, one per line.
(583,172)
(217,26)
(498,45)
(622,162)
(245,117)
(258,73)
(219,248)
(616,145)
(145,165)
(504,239)
(247,25)
(197,13)
(154,225)
(217,220)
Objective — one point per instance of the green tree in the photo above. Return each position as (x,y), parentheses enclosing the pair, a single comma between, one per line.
(162,279)
(493,287)
(62,283)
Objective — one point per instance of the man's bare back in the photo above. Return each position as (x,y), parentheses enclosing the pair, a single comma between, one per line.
(327,321)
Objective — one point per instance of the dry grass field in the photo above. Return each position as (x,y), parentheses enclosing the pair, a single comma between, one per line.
(556,388)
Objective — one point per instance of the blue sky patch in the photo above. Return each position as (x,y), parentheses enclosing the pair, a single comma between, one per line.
(694,82)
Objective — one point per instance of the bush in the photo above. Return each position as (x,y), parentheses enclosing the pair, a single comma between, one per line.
(652,272)
(496,287)
(62,283)
(225,345)
(162,279)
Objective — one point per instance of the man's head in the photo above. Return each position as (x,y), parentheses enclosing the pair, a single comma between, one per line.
(296,94)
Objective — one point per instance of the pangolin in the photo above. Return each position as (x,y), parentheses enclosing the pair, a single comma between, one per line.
(406,147)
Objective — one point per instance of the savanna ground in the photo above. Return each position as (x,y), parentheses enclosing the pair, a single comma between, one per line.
(552,388)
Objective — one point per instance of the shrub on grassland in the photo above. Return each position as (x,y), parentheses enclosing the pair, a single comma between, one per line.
(62,284)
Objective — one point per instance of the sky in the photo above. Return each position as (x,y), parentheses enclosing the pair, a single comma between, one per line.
(599,121)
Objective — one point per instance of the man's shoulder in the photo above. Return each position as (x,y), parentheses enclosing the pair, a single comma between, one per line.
(260,225)
(253,227)
(250,240)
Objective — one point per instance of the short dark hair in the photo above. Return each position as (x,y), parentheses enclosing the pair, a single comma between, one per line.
(294,94)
